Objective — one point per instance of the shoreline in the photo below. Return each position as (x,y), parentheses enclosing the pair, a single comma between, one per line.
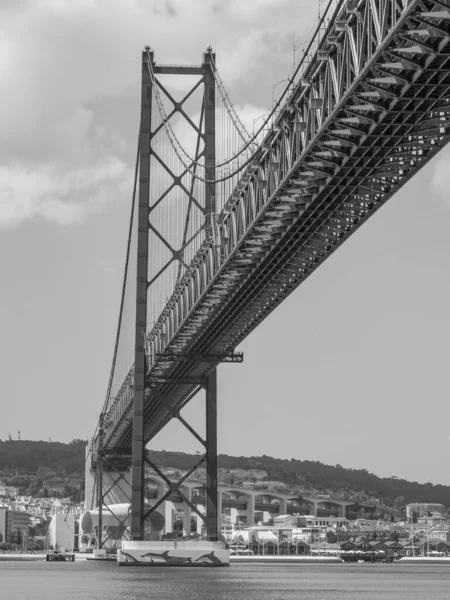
(288,558)
(274,559)
(41,556)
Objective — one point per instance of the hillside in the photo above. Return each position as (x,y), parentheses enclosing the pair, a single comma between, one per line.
(57,469)
(313,475)
(44,468)
(28,456)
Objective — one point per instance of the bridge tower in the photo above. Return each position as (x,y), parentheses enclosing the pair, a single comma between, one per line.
(174,225)
(205,147)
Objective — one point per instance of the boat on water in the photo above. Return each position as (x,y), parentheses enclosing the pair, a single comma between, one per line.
(372,556)
(59,556)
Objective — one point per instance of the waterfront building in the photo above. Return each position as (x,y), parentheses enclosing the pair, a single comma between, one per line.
(430,545)
(309,535)
(439,533)
(411,549)
(61,531)
(11,520)
(227,531)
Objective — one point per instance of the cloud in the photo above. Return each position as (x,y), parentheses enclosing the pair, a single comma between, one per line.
(59,195)
(72,90)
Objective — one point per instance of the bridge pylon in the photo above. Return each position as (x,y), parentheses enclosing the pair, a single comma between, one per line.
(173,224)
(150,162)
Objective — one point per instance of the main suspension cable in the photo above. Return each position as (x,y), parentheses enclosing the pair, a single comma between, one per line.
(122,300)
(239,125)
(174,140)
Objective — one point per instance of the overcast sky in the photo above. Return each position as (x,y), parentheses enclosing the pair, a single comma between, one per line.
(351,369)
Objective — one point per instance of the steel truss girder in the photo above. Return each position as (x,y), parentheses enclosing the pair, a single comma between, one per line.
(385,138)
(234,357)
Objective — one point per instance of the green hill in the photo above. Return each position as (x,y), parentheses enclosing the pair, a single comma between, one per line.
(44,468)
(55,468)
(315,475)
(26,456)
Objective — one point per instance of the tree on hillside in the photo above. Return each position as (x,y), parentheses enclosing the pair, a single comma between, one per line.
(399,502)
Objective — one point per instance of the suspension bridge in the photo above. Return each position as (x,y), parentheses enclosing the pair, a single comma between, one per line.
(226,223)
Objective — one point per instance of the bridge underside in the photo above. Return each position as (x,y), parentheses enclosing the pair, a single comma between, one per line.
(395,119)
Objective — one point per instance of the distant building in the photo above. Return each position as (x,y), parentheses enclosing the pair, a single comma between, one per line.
(323,522)
(9,491)
(11,520)
(439,534)
(421,509)
(433,519)
(285,521)
(227,530)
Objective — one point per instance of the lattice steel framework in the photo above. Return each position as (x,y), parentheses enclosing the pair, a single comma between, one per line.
(371,108)
(147,205)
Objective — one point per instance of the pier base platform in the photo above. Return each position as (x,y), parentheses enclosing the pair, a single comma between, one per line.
(174,553)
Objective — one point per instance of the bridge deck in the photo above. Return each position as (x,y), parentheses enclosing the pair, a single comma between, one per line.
(372,109)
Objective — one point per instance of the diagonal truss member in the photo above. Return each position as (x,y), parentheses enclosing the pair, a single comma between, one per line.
(209,457)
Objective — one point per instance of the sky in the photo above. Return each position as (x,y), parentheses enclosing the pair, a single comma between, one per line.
(351,369)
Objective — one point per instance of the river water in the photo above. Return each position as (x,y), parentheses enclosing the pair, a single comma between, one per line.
(97,581)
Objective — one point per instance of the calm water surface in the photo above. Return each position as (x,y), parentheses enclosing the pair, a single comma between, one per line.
(93,581)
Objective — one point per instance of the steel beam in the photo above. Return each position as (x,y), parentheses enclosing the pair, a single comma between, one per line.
(138,444)
(177,70)
(234,357)
(100,486)
(211,457)
(210,138)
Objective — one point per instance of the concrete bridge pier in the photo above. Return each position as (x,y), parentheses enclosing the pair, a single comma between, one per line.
(314,506)
(199,521)
(219,510)
(168,516)
(187,511)
(250,510)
